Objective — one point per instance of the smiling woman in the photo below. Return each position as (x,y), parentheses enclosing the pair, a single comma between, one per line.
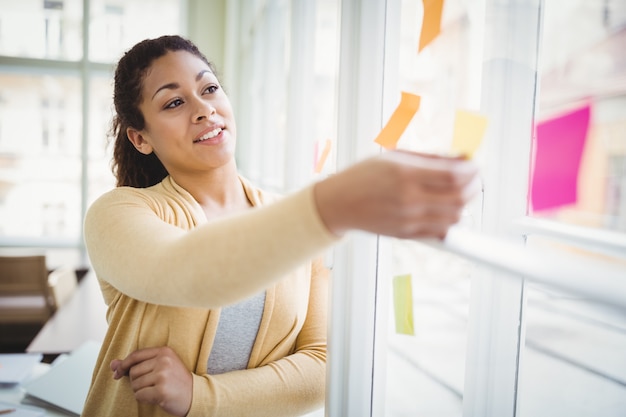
(168,108)
(215,289)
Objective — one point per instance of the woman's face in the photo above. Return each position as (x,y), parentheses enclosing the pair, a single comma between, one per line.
(189,120)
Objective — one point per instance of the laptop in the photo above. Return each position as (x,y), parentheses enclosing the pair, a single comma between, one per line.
(66,383)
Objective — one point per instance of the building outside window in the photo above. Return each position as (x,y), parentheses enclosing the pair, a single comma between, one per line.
(56,108)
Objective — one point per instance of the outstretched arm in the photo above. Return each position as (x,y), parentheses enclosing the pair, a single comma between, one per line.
(398,194)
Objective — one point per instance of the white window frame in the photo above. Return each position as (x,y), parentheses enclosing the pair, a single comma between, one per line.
(496,319)
(353,295)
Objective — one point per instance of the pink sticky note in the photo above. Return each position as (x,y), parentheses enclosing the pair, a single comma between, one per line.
(558,150)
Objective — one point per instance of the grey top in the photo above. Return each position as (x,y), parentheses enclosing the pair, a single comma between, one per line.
(235,335)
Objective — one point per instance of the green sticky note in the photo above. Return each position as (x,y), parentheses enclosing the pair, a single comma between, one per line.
(403,304)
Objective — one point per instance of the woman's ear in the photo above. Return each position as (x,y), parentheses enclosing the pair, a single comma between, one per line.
(138,141)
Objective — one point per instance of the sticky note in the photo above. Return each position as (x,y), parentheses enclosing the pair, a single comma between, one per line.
(559,146)
(399,120)
(431,24)
(469,130)
(403,304)
(319,166)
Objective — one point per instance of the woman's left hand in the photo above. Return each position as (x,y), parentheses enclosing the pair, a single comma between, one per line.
(157,376)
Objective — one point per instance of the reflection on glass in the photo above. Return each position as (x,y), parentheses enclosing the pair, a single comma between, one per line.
(425,371)
(588,66)
(49,29)
(573,362)
(116,25)
(40,131)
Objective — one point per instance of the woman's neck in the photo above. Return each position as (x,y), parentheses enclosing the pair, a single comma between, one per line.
(218,192)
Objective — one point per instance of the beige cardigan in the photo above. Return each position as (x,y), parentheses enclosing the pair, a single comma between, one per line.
(165,271)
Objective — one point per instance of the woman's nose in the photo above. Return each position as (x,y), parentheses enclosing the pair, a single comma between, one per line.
(204,109)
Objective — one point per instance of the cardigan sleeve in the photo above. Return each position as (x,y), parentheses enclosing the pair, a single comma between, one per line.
(291,386)
(135,251)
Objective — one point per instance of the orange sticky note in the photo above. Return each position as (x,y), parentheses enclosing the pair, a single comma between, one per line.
(469,129)
(322,159)
(399,120)
(431,25)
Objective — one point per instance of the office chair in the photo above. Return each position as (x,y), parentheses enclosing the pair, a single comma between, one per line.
(62,283)
(25,295)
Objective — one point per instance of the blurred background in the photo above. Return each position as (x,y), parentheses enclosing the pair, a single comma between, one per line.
(280,63)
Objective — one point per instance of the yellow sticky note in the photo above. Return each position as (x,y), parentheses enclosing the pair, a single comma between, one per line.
(322,159)
(469,129)
(399,120)
(431,25)
(403,304)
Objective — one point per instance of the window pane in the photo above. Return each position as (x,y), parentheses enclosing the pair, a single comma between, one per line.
(425,370)
(444,74)
(40,165)
(325,84)
(100,151)
(573,363)
(578,68)
(117,25)
(42,112)
(41,29)
(262,99)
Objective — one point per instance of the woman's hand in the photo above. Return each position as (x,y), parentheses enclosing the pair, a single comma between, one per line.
(157,376)
(400,194)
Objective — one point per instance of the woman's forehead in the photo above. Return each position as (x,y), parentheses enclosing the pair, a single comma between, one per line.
(174,68)
(176,64)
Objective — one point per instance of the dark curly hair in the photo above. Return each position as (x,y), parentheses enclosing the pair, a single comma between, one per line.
(131,167)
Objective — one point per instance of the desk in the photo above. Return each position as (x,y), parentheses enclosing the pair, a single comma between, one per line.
(15,394)
(81,319)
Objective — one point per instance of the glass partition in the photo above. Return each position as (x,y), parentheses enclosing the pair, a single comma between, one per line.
(424,369)
(582,76)
(573,362)
(286,94)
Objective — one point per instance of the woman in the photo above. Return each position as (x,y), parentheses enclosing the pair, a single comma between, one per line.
(216,294)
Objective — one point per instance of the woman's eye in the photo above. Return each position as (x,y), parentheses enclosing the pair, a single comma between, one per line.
(211,89)
(174,103)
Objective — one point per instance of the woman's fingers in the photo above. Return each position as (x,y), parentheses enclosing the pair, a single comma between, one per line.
(122,367)
(433,172)
(157,376)
(398,194)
